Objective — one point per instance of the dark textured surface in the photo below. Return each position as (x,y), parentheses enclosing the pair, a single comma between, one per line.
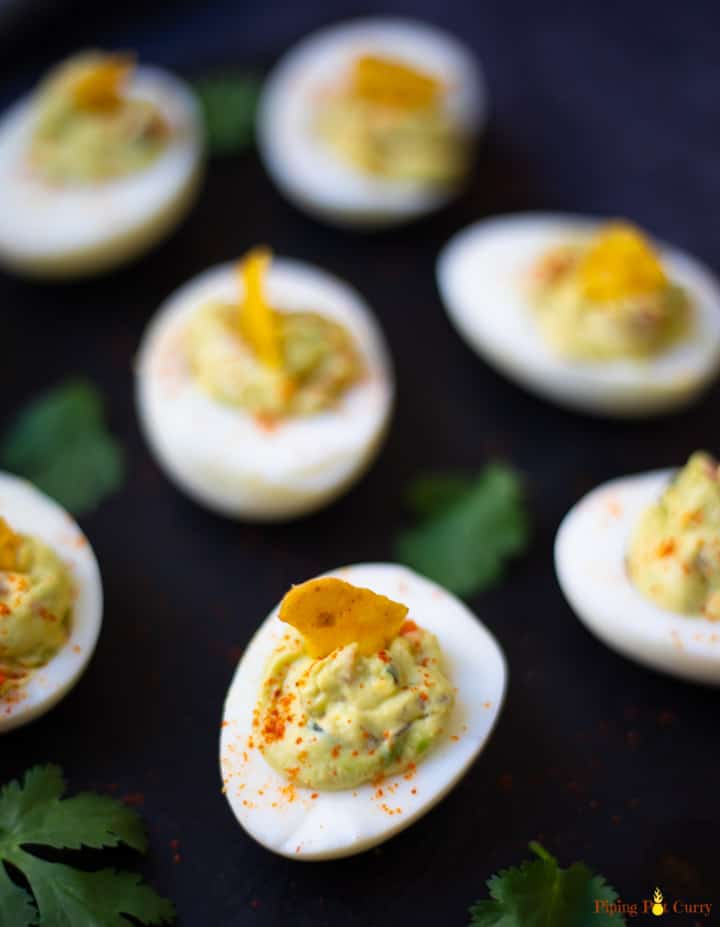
(607,108)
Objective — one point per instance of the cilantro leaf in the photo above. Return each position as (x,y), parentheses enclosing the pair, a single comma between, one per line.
(229,103)
(468,528)
(16,907)
(429,495)
(67,897)
(60,443)
(42,785)
(34,813)
(541,894)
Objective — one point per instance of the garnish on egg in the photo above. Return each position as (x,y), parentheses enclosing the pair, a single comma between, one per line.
(388,118)
(363,696)
(9,545)
(99,86)
(620,264)
(390,82)
(608,296)
(271,362)
(256,320)
(331,613)
(88,127)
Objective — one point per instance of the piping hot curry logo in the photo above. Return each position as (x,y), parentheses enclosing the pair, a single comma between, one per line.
(658,908)
(655,906)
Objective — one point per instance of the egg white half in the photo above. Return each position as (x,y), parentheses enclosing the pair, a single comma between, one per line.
(29,511)
(218,453)
(79,229)
(590,551)
(481,274)
(289,821)
(306,170)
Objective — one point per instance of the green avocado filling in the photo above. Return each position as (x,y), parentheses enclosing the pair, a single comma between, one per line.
(35,604)
(88,129)
(674,555)
(319,362)
(420,147)
(336,722)
(390,120)
(608,298)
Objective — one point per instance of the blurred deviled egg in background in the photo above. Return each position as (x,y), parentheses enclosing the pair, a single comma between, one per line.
(591,315)
(372,122)
(639,562)
(264,387)
(361,701)
(50,602)
(96,165)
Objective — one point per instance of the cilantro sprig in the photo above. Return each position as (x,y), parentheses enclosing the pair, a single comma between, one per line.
(468,527)
(37,893)
(60,442)
(539,893)
(228,102)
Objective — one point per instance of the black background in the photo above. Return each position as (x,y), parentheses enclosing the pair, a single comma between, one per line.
(596,107)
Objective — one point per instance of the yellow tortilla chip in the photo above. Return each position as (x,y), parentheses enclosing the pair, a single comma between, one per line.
(620,264)
(331,613)
(257,322)
(9,544)
(100,85)
(391,82)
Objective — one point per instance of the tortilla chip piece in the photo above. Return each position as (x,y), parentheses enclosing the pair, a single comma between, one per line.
(99,86)
(9,545)
(331,613)
(620,264)
(392,82)
(258,325)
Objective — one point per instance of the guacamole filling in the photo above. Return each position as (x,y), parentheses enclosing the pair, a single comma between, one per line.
(35,606)
(336,722)
(608,298)
(88,129)
(391,121)
(319,363)
(271,364)
(674,554)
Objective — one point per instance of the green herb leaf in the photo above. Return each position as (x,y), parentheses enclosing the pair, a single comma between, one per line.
(229,103)
(541,894)
(468,528)
(429,495)
(68,897)
(16,907)
(60,443)
(34,813)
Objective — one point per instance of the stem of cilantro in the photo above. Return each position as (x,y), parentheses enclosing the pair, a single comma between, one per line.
(540,851)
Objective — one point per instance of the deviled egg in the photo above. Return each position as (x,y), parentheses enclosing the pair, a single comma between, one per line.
(638,559)
(372,122)
(264,387)
(361,701)
(591,315)
(96,166)
(50,602)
